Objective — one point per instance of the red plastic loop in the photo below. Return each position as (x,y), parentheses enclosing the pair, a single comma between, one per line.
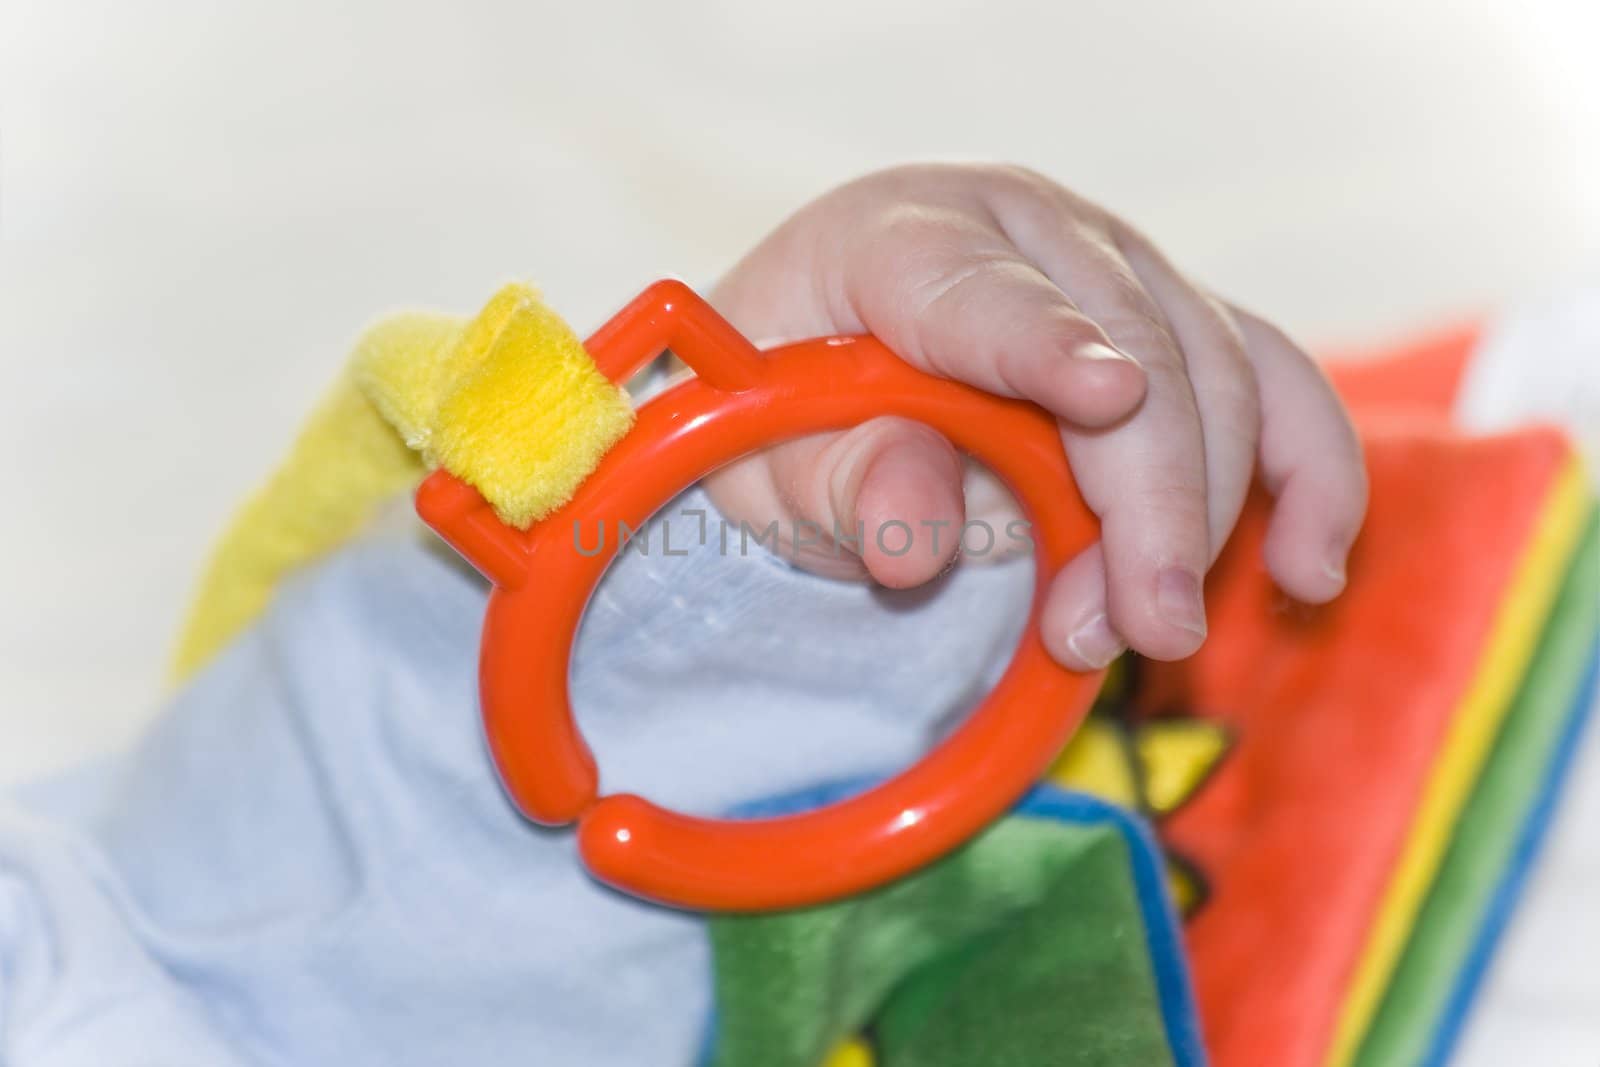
(740,401)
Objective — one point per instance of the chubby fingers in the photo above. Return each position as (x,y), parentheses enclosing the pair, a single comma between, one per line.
(1311,462)
(947,290)
(1307,456)
(944,287)
(883,498)
(1166,481)
(1167,400)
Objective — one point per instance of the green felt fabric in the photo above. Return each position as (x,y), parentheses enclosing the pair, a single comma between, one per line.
(1490,824)
(1024,947)
(1057,986)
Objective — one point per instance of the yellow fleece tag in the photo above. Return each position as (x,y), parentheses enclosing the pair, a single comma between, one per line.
(516,408)
(508,401)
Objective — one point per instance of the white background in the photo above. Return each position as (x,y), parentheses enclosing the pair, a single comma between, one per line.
(199,208)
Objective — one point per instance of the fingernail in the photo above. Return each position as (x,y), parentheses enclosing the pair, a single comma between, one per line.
(1178,599)
(1096,350)
(1333,563)
(1095,643)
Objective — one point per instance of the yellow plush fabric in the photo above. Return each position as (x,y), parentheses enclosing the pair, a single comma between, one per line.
(344,462)
(515,407)
(853,1053)
(508,401)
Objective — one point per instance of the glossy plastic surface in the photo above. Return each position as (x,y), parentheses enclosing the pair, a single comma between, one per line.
(742,400)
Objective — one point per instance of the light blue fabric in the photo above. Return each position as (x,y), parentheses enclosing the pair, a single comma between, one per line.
(308,859)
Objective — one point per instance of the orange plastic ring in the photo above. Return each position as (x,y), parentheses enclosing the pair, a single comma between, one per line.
(739,401)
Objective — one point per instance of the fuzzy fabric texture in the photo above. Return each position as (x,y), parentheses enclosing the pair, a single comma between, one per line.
(979,952)
(1497,833)
(508,401)
(307,858)
(514,407)
(1048,939)
(1361,729)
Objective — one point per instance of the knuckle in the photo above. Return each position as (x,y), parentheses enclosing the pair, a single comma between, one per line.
(1168,378)
(1019,178)
(1031,205)
(1174,517)
(1282,342)
(1143,332)
(909,225)
(1176,496)
(1121,287)
(1227,328)
(952,284)
(1066,326)
(1124,235)
(1240,394)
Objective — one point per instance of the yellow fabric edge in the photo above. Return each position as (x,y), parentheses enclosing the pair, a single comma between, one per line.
(853,1053)
(1513,639)
(509,401)
(345,460)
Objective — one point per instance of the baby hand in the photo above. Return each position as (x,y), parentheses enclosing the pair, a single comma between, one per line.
(1167,398)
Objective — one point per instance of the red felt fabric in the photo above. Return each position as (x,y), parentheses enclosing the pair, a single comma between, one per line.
(1421,376)
(1339,711)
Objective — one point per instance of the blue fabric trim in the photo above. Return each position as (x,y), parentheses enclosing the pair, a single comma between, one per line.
(1163,929)
(1515,878)
(1162,926)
